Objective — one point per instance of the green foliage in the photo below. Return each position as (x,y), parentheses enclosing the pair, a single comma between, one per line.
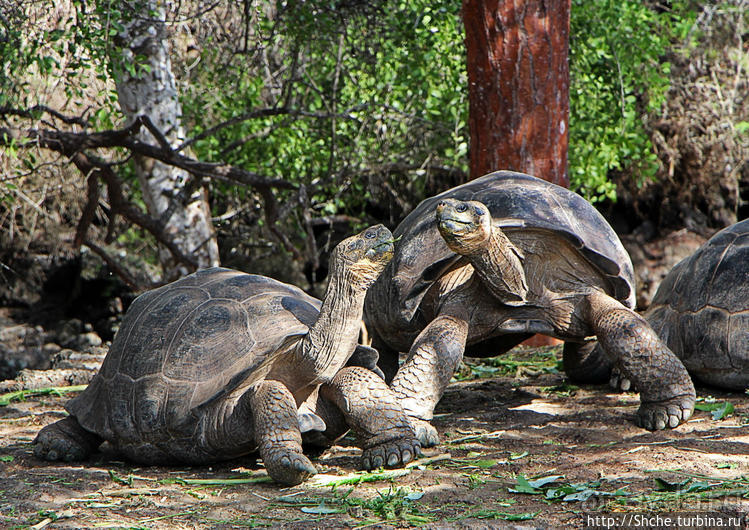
(554,490)
(617,73)
(379,89)
(72,54)
(348,97)
(719,409)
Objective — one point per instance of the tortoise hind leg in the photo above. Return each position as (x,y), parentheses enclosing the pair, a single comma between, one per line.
(277,433)
(586,362)
(667,394)
(65,440)
(371,409)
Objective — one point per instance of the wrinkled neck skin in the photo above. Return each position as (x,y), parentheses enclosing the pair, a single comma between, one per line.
(499,264)
(334,336)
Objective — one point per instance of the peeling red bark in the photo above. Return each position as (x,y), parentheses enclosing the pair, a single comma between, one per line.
(518,86)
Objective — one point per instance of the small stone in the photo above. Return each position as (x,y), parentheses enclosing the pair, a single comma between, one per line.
(51,348)
(88,340)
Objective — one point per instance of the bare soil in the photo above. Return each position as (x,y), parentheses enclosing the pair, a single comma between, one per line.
(495,432)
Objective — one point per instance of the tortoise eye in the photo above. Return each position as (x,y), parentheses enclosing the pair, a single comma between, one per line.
(461,208)
(370,234)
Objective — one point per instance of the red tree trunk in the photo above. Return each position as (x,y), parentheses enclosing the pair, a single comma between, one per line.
(518,86)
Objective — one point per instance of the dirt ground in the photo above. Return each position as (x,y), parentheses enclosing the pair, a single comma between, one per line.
(503,426)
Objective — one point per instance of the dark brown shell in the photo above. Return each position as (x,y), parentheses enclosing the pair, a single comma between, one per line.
(514,200)
(701,309)
(185,343)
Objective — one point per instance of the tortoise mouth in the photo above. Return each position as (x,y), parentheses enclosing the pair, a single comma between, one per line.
(455,225)
(383,250)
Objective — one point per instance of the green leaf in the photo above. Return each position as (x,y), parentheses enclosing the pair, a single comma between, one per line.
(722,412)
(523,486)
(719,409)
(119,480)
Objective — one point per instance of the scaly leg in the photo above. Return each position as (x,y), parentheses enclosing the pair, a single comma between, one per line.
(419,384)
(371,409)
(65,440)
(388,359)
(586,362)
(667,394)
(279,441)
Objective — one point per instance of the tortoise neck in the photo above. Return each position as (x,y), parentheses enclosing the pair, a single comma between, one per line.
(499,265)
(335,334)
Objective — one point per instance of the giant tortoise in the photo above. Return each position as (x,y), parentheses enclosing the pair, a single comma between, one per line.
(701,309)
(487,264)
(221,363)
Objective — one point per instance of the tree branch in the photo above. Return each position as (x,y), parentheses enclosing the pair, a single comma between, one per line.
(29,113)
(89,210)
(116,267)
(70,143)
(120,205)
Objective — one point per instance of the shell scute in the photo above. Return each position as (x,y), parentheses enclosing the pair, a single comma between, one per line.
(212,337)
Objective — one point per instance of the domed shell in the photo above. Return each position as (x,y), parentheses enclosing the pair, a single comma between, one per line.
(181,345)
(701,309)
(514,200)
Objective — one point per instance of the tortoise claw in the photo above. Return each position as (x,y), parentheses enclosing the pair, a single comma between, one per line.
(619,382)
(425,432)
(290,468)
(665,414)
(392,453)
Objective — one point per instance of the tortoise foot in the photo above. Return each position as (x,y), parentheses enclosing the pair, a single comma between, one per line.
(289,468)
(656,416)
(65,441)
(425,432)
(618,382)
(398,450)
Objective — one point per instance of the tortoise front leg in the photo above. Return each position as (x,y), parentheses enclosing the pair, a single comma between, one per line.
(421,381)
(371,409)
(667,394)
(277,435)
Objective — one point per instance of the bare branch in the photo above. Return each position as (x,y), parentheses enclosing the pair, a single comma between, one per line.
(29,113)
(89,210)
(123,207)
(264,113)
(70,143)
(155,131)
(116,267)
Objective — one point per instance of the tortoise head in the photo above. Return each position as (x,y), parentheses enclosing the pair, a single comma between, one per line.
(464,225)
(365,255)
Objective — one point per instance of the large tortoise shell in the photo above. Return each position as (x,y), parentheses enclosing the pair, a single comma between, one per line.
(515,200)
(181,345)
(701,309)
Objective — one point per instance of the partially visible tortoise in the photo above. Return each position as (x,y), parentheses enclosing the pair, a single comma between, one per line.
(221,363)
(701,309)
(485,265)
